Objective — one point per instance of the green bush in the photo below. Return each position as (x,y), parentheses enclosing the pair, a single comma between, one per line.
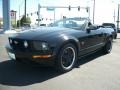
(24,21)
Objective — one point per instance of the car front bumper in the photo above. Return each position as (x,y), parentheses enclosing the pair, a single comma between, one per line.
(28,56)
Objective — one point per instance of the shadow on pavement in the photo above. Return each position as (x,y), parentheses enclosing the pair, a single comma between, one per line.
(14,74)
(88,58)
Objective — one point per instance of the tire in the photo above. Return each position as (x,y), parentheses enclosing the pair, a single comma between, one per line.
(108,46)
(67,57)
(115,36)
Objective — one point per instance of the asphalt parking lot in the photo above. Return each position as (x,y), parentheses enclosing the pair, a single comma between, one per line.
(94,72)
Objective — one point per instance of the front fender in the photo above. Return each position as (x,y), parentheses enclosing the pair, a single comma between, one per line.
(62,40)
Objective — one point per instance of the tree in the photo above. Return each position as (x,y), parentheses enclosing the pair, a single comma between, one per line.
(22,21)
(28,20)
(18,23)
(25,21)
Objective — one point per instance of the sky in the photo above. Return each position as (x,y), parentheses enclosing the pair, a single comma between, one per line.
(104,9)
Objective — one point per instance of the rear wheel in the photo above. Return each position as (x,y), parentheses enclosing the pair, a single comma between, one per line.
(108,46)
(66,58)
(115,36)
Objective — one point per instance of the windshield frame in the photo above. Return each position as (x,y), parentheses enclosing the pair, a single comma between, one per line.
(78,26)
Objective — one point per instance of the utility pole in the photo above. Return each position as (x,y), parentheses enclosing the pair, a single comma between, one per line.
(39,14)
(114,16)
(89,12)
(25,9)
(118,18)
(19,16)
(113,10)
(54,15)
(93,11)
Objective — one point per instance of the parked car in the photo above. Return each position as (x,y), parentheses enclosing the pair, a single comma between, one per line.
(61,43)
(112,26)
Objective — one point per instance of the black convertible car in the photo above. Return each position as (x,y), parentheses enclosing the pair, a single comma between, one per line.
(61,43)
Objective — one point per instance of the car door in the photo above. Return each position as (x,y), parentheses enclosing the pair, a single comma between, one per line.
(87,41)
(98,39)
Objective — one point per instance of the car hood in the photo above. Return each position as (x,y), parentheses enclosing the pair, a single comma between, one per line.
(44,33)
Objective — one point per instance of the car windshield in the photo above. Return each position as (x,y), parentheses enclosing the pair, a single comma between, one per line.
(74,23)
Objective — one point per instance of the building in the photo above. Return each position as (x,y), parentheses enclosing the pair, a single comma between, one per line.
(13,18)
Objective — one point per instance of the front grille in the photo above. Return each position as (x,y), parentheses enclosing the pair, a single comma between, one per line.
(18,44)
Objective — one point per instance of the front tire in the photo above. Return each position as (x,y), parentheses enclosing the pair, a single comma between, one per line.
(67,57)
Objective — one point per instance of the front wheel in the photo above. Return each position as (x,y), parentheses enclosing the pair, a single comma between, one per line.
(66,58)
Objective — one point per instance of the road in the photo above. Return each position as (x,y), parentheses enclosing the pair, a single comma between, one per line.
(94,72)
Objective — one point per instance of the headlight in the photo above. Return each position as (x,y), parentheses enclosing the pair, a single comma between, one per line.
(40,45)
(44,46)
(25,44)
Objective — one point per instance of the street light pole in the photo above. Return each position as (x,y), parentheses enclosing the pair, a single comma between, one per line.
(114,16)
(113,2)
(25,9)
(93,11)
(19,16)
(118,18)
(39,7)
(54,14)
